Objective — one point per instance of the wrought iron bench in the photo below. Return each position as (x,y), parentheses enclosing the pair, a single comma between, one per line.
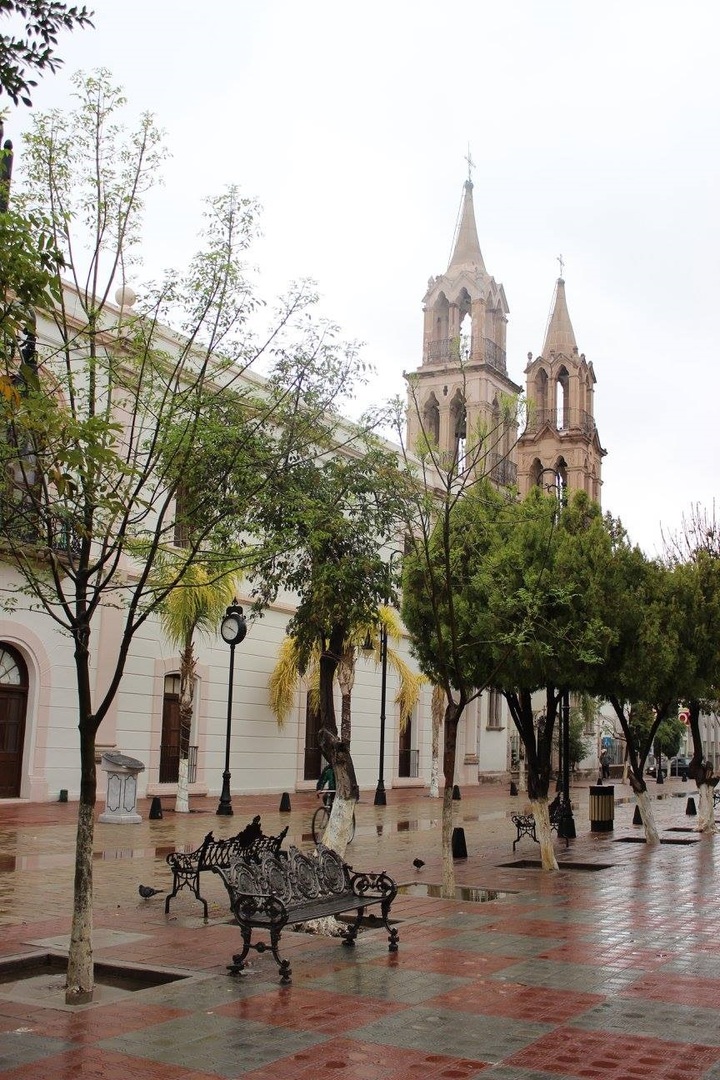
(525,823)
(291,887)
(214,854)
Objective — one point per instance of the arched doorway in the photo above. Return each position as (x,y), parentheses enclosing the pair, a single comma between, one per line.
(13,708)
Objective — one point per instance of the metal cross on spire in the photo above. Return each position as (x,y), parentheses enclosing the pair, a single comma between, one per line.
(470,164)
(562,264)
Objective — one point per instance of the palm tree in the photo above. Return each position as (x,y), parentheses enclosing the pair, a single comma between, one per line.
(287,673)
(196,604)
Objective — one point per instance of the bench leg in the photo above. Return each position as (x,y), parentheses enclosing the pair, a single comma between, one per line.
(393,936)
(525,831)
(349,935)
(238,960)
(192,883)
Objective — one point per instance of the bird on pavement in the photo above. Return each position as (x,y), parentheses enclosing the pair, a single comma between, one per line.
(146,891)
(418,864)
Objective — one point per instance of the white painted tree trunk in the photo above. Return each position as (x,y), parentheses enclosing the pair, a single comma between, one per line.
(339,827)
(706,811)
(182,799)
(522,778)
(648,817)
(448,866)
(543,831)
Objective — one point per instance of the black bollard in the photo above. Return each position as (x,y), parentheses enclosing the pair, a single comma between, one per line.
(456,793)
(637,817)
(155,809)
(285,803)
(459,847)
(691,809)
(513,788)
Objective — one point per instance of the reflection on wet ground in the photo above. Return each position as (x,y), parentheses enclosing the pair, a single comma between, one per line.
(462,892)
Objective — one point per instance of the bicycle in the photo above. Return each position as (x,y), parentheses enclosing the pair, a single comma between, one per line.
(322,816)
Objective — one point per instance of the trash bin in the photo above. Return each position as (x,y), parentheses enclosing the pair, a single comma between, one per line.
(121,797)
(602,807)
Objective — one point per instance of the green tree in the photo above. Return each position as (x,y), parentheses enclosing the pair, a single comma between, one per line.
(539,601)
(646,663)
(32,48)
(106,439)
(668,738)
(694,553)
(437,481)
(326,529)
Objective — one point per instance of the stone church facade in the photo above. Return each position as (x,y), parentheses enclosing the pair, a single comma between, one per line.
(463,378)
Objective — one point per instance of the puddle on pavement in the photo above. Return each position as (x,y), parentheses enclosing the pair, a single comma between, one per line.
(663,839)
(11,863)
(535,864)
(462,892)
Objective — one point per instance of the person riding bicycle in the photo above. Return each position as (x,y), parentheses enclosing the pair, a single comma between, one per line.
(327,780)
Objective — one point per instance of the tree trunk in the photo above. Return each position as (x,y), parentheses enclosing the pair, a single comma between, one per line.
(185,708)
(706,811)
(541,813)
(436,712)
(346,682)
(339,828)
(335,749)
(453,712)
(80,975)
(644,802)
(701,771)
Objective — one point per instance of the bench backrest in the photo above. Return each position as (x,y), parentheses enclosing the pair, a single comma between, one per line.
(291,876)
(251,844)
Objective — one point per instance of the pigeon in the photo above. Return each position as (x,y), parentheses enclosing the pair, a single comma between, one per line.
(146,891)
(418,864)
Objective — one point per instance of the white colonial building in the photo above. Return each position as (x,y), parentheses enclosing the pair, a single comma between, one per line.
(39,756)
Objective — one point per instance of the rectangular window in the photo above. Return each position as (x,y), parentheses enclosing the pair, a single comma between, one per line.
(494,715)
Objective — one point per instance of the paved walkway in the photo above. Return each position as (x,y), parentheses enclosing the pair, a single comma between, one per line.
(608,969)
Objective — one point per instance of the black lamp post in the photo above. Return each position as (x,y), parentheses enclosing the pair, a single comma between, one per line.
(233,629)
(380,797)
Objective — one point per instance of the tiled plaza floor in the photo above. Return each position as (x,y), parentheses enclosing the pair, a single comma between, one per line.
(609,969)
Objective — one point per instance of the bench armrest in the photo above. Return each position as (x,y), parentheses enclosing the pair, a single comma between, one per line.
(373,884)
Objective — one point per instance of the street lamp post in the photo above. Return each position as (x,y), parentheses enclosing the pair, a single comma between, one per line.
(380,797)
(233,629)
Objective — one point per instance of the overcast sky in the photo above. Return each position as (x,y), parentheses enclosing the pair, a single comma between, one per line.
(594,129)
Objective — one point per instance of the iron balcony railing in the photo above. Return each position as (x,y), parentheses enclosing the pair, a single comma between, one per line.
(565,420)
(452,349)
(502,471)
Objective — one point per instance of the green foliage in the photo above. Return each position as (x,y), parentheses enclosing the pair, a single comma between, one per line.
(33,48)
(326,522)
(509,594)
(669,736)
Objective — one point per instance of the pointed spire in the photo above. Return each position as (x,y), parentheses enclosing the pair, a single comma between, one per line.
(560,336)
(467,254)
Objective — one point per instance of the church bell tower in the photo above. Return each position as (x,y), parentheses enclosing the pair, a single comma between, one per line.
(456,395)
(560,444)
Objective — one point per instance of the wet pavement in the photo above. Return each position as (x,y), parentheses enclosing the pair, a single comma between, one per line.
(608,969)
